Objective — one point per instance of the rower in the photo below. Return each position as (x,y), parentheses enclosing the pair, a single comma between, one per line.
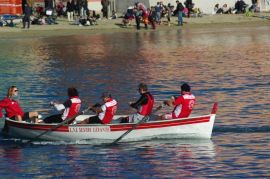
(183,104)
(69,108)
(144,105)
(104,113)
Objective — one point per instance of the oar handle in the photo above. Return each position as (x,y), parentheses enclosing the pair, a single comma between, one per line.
(42,110)
(84,111)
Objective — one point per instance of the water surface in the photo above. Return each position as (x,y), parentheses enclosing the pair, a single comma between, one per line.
(230,66)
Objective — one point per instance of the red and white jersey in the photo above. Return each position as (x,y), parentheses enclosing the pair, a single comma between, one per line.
(11,107)
(146,109)
(71,107)
(108,111)
(183,105)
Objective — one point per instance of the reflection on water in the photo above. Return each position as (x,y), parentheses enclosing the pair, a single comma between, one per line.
(159,158)
(242,155)
(230,66)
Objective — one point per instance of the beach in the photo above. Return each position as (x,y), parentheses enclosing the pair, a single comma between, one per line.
(114,25)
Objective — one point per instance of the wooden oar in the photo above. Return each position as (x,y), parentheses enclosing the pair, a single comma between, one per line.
(135,125)
(67,121)
(43,110)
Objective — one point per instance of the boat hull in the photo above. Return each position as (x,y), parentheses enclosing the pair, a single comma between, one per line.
(195,127)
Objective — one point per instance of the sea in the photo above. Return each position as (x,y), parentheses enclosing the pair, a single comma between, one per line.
(229,65)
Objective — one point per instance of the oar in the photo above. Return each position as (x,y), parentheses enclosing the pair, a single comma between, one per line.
(66,121)
(135,125)
(42,110)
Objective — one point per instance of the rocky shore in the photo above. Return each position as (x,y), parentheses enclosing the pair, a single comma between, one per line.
(110,26)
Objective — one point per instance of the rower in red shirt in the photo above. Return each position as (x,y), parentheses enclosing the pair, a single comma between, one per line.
(69,109)
(143,105)
(183,104)
(13,109)
(104,113)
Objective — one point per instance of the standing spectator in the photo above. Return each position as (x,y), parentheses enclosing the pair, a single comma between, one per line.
(76,8)
(179,10)
(105,5)
(152,16)
(254,6)
(189,6)
(83,8)
(145,14)
(48,4)
(60,8)
(27,14)
(138,16)
(158,9)
(70,10)
(169,14)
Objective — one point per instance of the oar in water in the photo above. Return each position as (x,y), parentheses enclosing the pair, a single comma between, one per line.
(135,125)
(67,121)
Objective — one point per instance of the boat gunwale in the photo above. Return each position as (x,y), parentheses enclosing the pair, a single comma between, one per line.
(113,127)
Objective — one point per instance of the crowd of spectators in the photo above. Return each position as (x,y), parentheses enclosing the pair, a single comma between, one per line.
(154,14)
(240,7)
(78,13)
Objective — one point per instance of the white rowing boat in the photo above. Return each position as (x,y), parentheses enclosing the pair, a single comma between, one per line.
(198,127)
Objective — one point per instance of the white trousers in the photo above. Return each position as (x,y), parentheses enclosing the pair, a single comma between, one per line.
(70,16)
(135,118)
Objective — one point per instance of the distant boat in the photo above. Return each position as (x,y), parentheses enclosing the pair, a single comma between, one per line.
(198,127)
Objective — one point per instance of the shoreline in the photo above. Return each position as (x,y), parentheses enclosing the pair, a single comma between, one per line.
(113,26)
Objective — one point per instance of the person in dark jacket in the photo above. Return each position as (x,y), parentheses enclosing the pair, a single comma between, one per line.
(189,6)
(105,5)
(27,14)
(152,17)
(143,105)
(76,8)
(179,10)
(138,16)
(70,10)
(240,6)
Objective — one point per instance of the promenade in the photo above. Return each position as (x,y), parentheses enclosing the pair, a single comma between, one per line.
(108,26)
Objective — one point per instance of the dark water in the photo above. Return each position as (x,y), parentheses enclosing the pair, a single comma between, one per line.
(230,66)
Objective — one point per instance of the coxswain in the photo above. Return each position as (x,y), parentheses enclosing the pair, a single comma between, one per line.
(13,109)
